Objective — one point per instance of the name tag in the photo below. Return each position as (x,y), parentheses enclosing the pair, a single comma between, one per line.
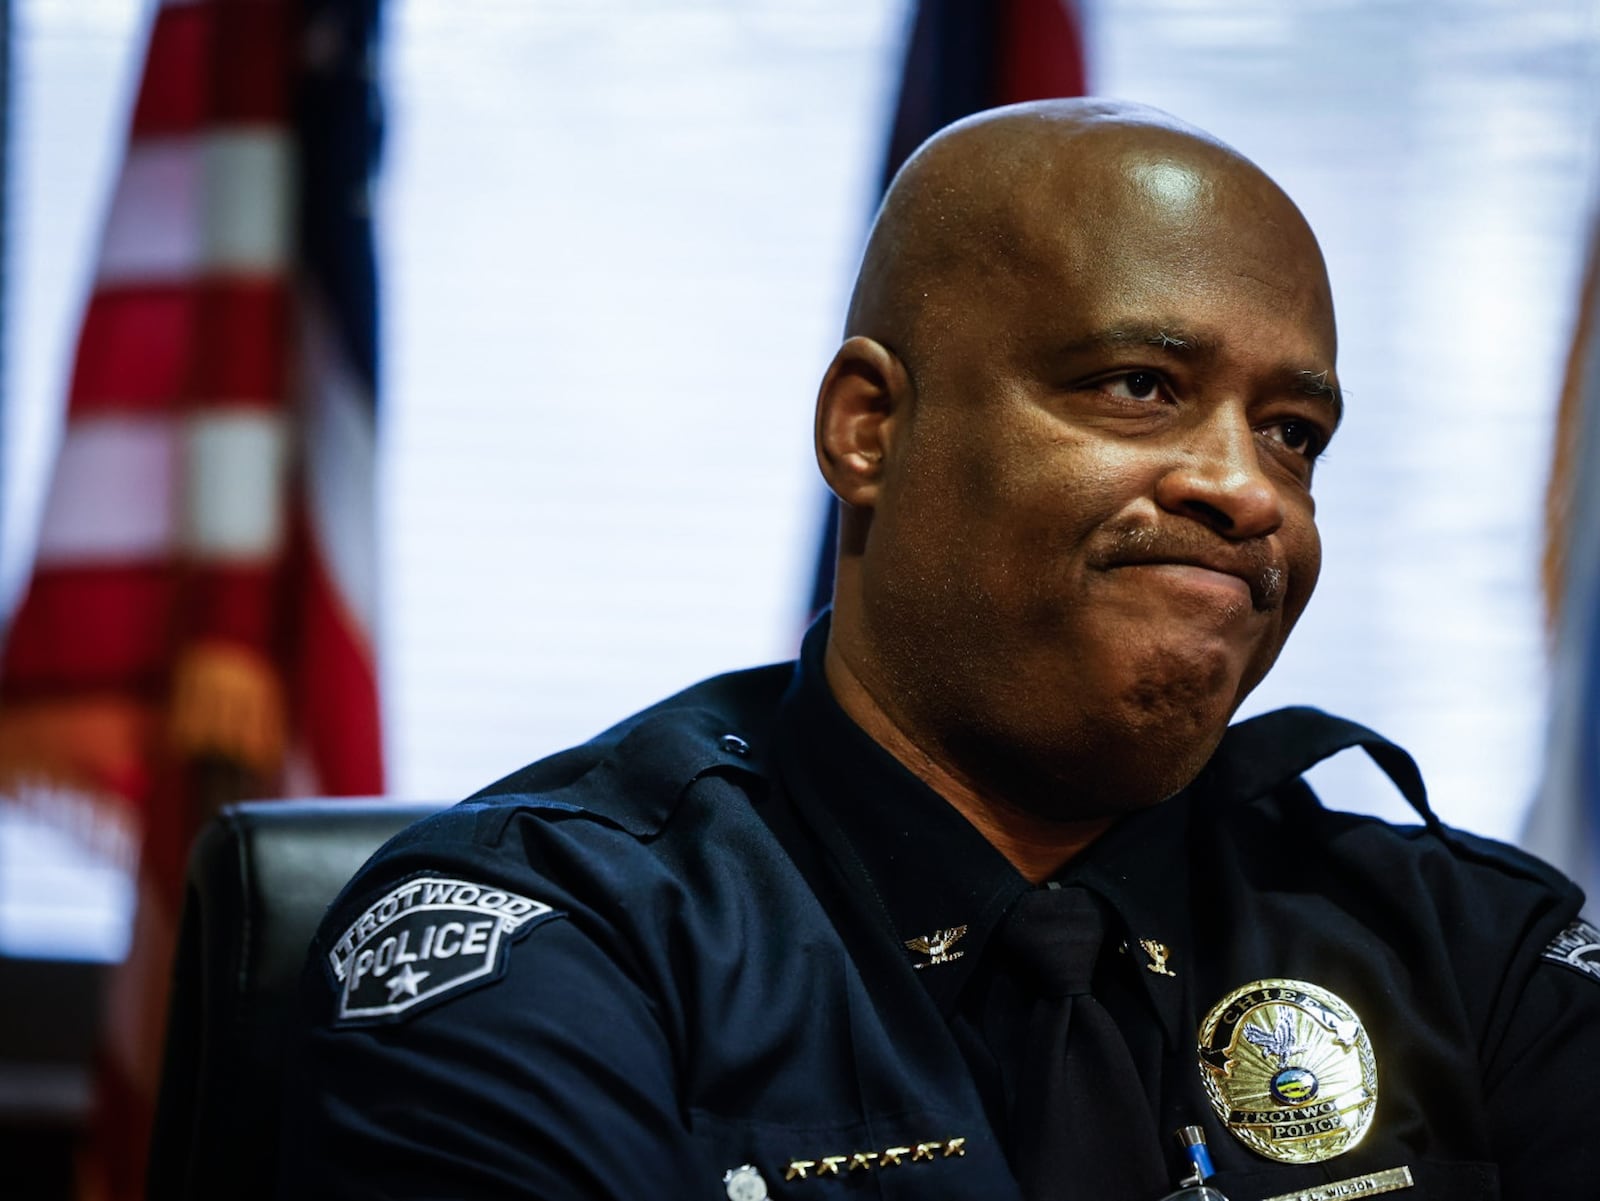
(1370,1185)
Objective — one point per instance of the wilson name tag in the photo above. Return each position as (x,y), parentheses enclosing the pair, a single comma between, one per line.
(1370,1185)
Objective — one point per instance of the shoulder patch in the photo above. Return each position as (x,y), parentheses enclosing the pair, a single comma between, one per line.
(1577,947)
(425,938)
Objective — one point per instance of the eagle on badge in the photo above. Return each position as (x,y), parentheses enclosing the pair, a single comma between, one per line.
(1280,1043)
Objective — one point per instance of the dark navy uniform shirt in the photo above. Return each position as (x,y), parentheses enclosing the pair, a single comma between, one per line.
(732,945)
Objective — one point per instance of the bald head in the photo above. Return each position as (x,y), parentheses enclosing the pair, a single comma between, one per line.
(1089,367)
(1011,190)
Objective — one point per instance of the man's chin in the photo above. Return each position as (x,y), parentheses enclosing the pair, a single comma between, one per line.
(1154,765)
(1177,684)
(1113,787)
(1113,761)
(1163,722)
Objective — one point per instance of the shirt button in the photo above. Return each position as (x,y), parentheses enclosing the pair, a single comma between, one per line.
(734,745)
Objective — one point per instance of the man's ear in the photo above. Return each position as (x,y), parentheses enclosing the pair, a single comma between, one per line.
(863,403)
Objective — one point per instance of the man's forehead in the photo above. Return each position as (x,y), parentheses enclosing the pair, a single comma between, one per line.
(1021,187)
(1143,188)
(1153,241)
(1069,197)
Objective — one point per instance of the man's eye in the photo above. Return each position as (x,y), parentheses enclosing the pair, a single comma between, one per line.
(1135,385)
(1302,437)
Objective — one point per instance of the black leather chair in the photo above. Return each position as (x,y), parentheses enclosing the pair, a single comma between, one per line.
(260,877)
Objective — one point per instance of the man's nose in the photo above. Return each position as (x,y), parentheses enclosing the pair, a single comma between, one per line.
(1218,480)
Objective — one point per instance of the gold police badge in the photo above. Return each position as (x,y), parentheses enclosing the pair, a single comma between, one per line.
(1290,1070)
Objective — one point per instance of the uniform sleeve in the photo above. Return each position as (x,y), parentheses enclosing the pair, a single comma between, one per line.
(552,1080)
(1544,1087)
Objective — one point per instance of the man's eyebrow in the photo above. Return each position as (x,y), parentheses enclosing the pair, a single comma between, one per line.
(1317,384)
(1164,336)
(1169,336)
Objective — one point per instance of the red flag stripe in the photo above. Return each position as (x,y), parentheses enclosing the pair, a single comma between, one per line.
(1041,52)
(91,628)
(336,691)
(145,346)
(239,343)
(180,91)
(236,603)
(172,95)
(132,351)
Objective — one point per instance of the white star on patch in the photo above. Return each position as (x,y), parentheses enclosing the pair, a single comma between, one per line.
(405,981)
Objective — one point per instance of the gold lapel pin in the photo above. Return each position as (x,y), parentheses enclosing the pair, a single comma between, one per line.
(1159,954)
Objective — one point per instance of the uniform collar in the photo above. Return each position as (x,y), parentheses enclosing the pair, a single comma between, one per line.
(925,872)
(935,885)
(1141,867)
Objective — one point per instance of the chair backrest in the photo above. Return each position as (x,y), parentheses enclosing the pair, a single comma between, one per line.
(260,877)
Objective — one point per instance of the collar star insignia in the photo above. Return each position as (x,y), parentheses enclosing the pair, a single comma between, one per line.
(936,946)
(405,982)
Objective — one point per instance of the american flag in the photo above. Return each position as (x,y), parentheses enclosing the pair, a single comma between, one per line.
(198,627)
(964,56)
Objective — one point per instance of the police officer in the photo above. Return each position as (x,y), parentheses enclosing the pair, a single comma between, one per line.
(982,898)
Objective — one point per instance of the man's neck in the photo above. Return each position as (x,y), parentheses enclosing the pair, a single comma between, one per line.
(1036,846)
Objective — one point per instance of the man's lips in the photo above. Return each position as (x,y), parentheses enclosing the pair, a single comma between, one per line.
(1252,563)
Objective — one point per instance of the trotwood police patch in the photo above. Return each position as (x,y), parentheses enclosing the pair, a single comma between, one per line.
(429,936)
(1577,947)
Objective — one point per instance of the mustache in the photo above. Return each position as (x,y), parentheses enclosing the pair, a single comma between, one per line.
(1253,560)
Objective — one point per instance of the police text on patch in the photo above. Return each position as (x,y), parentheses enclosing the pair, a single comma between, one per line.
(425,937)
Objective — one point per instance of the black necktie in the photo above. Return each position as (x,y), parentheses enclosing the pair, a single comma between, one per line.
(1084,1131)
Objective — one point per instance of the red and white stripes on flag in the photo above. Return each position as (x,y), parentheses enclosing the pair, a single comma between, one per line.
(198,626)
(207,545)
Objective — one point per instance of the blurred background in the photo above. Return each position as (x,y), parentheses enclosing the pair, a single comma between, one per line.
(613,242)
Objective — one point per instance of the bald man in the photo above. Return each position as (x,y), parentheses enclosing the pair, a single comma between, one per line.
(982,898)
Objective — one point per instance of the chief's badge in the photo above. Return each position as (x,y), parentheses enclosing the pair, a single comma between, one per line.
(428,936)
(1290,1070)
